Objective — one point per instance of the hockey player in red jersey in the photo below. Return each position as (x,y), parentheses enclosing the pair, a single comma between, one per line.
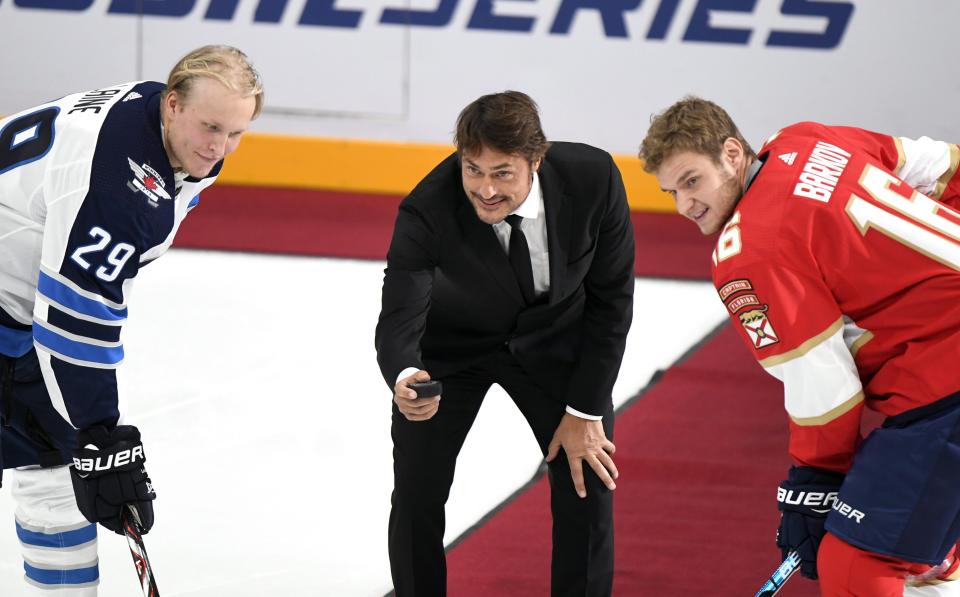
(838,260)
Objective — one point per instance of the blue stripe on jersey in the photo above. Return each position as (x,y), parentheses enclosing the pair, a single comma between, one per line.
(194,202)
(77,576)
(15,343)
(105,355)
(72,538)
(81,327)
(70,298)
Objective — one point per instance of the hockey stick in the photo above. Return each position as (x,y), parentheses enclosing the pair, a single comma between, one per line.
(780,576)
(131,528)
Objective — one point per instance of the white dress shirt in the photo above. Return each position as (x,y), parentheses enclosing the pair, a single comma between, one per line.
(534,226)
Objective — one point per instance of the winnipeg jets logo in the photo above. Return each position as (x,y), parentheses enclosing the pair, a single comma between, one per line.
(788,157)
(758,327)
(148,181)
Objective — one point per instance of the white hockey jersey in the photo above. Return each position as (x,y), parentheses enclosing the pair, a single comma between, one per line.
(87,197)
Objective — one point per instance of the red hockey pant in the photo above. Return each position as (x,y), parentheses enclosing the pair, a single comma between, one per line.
(847,571)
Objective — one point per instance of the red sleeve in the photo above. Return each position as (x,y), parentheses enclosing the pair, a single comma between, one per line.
(790,321)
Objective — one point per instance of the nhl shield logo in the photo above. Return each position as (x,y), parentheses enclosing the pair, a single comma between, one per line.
(758,327)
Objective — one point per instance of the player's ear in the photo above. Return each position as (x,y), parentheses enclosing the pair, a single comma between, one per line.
(733,151)
(172,100)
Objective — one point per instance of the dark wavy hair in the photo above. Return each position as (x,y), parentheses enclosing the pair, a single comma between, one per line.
(508,122)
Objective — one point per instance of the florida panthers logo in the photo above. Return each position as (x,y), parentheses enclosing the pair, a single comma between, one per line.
(758,327)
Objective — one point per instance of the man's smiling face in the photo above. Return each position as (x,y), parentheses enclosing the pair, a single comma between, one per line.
(705,190)
(496,183)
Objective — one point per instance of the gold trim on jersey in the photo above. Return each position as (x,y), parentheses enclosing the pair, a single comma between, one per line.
(901,155)
(830,415)
(803,348)
(863,339)
(946,176)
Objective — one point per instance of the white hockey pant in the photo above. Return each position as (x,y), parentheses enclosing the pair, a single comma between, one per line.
(59,545)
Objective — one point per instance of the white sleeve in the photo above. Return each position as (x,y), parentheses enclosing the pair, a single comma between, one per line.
(577,413)
(924,162)
(406,373)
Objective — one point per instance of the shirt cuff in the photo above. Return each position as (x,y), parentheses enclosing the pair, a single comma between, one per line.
(406,373)
(577,413)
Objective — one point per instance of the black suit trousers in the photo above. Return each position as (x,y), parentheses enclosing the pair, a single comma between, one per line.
(424,458)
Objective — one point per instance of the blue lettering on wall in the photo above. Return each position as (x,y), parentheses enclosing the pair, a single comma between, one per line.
(700,29)
(323,12)
(221,10)
(484,18)
(439,17)
(157,8)
(75,5)
(838,16)
(663,18)
(611,11)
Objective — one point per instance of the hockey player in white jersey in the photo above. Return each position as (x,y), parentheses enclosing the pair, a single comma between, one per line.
(93,186)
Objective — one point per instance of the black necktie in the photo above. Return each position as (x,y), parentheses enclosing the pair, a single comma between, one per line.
(520,258)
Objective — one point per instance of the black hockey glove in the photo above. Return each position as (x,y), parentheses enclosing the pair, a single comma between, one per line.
(108,473)
(804,500)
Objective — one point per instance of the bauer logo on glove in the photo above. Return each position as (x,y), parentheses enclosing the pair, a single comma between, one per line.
(85,466)
(108,475)
(795,497)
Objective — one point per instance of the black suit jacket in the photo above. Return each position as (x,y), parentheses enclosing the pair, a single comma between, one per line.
(450,297)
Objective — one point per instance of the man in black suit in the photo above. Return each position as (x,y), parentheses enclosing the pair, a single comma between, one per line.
(511,263)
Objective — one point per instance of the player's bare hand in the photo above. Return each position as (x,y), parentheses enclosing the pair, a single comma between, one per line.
(413,408)
(584,441)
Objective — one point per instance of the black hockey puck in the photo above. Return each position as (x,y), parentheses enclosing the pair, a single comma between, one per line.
(427,389)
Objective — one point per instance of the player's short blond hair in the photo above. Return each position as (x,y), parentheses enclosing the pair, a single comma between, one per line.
(691,124)
(225,64)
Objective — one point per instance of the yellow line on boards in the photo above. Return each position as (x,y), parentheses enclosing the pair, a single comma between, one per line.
(386,167)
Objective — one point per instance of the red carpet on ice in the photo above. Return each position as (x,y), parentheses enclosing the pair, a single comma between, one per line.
(700,454)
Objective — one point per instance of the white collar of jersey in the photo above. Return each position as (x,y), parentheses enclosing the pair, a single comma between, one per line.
(532,206)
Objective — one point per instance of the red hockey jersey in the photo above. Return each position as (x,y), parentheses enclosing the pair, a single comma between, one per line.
(841,270)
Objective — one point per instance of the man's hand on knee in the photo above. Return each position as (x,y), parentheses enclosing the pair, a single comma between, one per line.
(584,441)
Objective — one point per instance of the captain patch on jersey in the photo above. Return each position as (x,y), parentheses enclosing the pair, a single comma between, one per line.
(738,295)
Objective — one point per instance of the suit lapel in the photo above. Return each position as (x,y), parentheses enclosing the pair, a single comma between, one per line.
(483,240)
(555,204)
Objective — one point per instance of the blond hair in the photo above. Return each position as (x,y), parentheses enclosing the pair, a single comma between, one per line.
(691,124)
(225,64)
